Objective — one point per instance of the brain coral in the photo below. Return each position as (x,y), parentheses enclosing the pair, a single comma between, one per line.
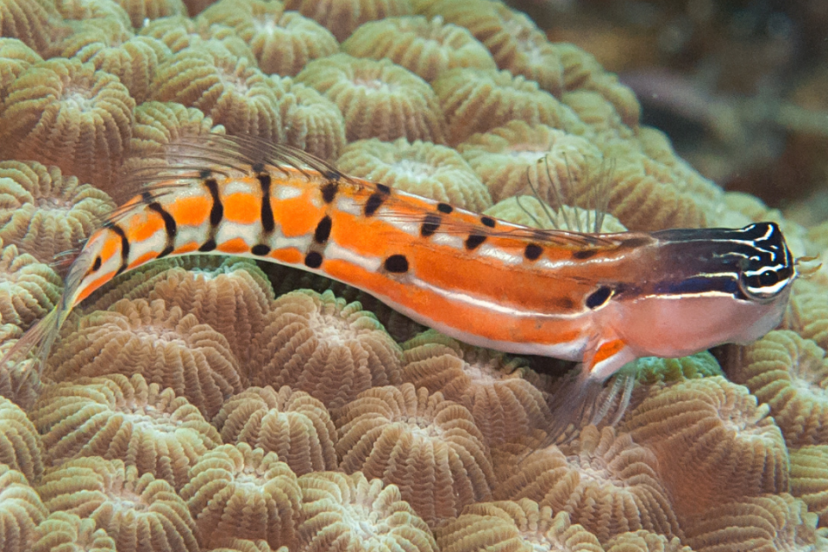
(348,512)
(530,211)
(162,344)
(64,532)
(809,479)
(377,98)
(423,168)
(521,526)
(19,381)
(64,112)
(500,393)
(645,541)
(428,446)
(122,418)
(31,21)
(312,122)
(425,47)
(28,289)
(341,17)
(712,441)
(292,424)
(240,492)
(45,213)
(139,513)
(789,374)
(21,510)
(325,347)
(808,312)
(20,446)
(607,483)
(142,10)
(283,42)
(15,57)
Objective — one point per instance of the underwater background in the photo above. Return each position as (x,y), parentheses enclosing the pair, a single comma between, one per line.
(216,404)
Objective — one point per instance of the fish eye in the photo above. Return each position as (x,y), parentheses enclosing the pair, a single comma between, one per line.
(765,283)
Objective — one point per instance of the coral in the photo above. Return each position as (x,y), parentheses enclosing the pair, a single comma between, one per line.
(242,545)
(809,479)
(65,113)
(241,492)
(599,114)
(28,289)
(162,344)
(140,11)
(341,17)
(31,21)
(514,41)
(607,483)
(645,541)
(428,446)
(348,512)
(499,392)
(761,524)
(529,211)
(19,381)
(20,446)
(652,370)
(377,98)
(63,532)
(139,513)
(228,88)
(176,32)
(283,42)
(808,312)
(508,158)
(325,347)
(94,11)
(15,57)
(789,374)
(21,510)
(474,100)
(45,213)
(421,168)
(522,525)
(713,443)
(120,418)
(425,47)
(312,122)
(292,424)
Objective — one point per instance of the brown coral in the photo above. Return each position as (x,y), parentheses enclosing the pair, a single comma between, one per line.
(808,312)
(312,122)
(229,89)
(21,510)
(123,418)
(425,47)
(162,344)
(15,57)
(652,370)
(139,513)
(325,347)
(500,393)
(45,213)
(645,541)
(20,445)
(809,479)
(599,114)
(31,21)
(64,532)
(474,100)
(283,42)
(236,491)
(607,483)
(421,168)
(521,525)
(529,211)
(140,11)
(428,446)
(762,524)
(96,11)
(377,98)
(348,512)
(242,545)
(510,158)
(713,443)
(19,380)
(789,374)
(292,424)
(341,17)
(28,289)
(64,112)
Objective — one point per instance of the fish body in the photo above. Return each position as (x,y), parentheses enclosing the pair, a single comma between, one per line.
(600,299)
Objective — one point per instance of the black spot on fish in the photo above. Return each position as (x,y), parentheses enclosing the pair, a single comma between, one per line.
(323,230)
(97,264)
(124,248)
(533,251)
(374,202)
(474,241)
(217,210)
(205,173)
(397,264)
(268,223)
(584,253)
(430,225)
(169,221)
(209,245)
(598,297)
(329,191)
(445,208)
(488,221)
(257,167)
(260,249)
(313,260)
(382,188)
(166,251)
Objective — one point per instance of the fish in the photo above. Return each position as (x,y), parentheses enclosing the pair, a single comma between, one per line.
(601,299)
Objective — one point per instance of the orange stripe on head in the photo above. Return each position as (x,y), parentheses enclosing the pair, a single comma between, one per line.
(190,211)
(242,208)
(236,245)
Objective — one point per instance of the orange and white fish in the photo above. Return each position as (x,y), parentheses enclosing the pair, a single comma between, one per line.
(600,299)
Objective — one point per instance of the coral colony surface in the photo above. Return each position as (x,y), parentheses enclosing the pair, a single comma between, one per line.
(217,404)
